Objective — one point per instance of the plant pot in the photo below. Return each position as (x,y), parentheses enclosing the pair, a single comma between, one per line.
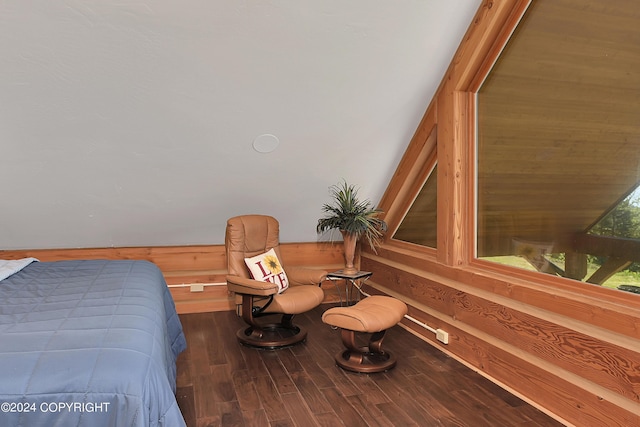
(350,241)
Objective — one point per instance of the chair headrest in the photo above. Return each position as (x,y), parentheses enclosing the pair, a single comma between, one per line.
(247,236)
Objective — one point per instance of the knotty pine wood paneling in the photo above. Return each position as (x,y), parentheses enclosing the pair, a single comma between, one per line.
(202,264)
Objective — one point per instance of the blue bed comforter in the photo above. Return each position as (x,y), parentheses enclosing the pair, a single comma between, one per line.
(88,343)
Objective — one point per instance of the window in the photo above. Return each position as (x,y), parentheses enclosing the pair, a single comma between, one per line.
(419,226)
(558,147)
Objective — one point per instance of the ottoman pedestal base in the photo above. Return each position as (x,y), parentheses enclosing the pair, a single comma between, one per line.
(373,315)
(364,359)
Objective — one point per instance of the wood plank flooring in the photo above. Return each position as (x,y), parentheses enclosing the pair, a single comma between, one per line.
(221,383)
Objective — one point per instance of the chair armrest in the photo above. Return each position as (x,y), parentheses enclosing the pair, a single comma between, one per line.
(305,276)
(243,285)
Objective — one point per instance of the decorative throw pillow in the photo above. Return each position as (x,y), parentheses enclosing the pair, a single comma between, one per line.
(267,268)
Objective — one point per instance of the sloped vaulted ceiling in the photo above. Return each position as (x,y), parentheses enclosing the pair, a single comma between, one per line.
(132,123)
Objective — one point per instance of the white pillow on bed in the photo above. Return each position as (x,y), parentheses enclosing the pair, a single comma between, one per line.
(266,267)
(10,267)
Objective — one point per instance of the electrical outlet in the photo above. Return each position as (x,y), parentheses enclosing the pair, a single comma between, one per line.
(442,336)
(197,287)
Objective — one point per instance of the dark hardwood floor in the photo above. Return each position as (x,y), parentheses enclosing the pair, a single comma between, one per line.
(221,383)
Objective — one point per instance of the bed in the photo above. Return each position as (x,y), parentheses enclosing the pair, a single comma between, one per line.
(88,343)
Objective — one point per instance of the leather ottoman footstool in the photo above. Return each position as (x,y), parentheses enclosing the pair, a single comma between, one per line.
(372,315)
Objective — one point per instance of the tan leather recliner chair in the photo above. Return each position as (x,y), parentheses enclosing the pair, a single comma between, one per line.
(251,235)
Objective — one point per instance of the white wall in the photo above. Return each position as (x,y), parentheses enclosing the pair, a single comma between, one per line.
(131,123)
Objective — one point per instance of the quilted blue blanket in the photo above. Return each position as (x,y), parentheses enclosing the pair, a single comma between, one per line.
(88,343)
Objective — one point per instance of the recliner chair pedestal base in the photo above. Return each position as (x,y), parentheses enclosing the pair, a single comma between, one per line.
(272,336)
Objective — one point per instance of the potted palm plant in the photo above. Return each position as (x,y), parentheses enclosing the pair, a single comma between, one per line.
(354,218)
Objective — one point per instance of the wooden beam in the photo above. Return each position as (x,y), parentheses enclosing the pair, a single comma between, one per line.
(575,265)
(610,267)
(606,246)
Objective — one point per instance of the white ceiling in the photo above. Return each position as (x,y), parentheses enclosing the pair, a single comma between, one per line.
(131,123)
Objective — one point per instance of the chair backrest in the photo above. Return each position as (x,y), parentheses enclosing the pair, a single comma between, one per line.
(247,236)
